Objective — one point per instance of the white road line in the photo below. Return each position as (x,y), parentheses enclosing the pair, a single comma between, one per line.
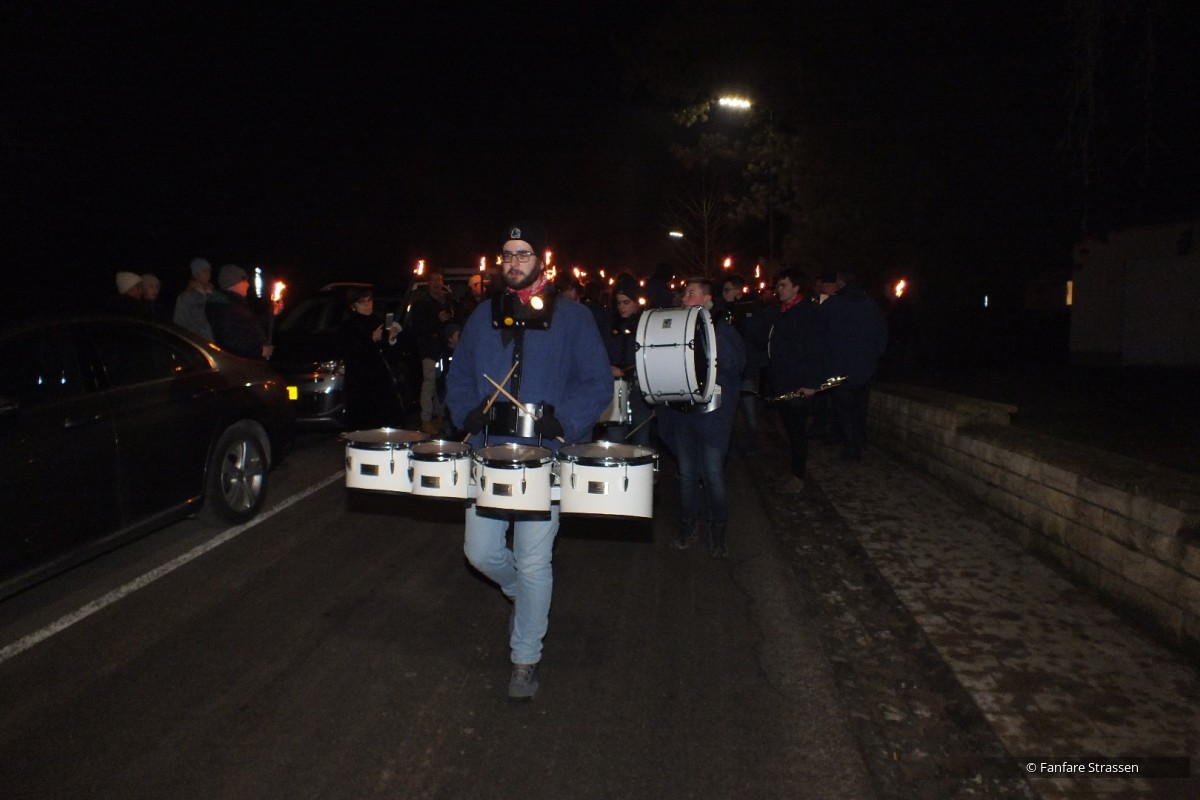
(64,622)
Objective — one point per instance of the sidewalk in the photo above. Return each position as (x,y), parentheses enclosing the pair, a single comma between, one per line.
(1055,673)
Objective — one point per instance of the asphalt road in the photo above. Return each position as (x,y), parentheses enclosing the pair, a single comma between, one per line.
(342,648)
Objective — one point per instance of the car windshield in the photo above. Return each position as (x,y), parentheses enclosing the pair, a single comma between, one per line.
(313,315)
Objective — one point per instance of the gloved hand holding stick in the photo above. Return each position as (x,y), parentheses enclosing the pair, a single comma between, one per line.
(516,402)
(479,415)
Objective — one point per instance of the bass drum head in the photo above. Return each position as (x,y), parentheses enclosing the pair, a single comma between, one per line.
(676,355)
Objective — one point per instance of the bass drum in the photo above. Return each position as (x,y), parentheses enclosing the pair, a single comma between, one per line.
(676,355)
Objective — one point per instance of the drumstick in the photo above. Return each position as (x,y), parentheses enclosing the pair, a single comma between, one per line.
(640,425)
(496,393)
(488,405)
(500,388)
(515,401)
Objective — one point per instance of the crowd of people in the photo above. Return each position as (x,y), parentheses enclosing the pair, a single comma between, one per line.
(777,350)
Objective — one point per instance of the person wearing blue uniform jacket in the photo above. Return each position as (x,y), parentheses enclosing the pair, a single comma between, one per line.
(560,363)
(700,441)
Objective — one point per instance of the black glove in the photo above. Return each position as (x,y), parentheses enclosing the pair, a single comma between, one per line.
(476,419)
(548,426)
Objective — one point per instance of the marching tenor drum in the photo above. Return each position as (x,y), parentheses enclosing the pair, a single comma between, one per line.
(676,355)
(514,477)
(439,468)
(618,411)
(377,459)
(608,479)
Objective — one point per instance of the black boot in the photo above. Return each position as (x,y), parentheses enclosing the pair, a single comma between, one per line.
(689,530)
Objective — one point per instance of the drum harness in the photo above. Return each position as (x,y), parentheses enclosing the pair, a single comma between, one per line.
(512,318)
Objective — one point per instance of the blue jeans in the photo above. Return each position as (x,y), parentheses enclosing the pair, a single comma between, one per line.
(524,573)
(701,462)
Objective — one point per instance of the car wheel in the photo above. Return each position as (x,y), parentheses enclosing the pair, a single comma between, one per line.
(236,480)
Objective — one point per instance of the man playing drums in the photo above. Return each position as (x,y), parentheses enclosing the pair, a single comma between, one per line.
(558,365)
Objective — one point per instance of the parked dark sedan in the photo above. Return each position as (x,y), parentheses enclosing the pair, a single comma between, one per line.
(112,427)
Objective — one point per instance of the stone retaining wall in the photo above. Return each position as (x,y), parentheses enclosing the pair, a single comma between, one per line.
(1128,528)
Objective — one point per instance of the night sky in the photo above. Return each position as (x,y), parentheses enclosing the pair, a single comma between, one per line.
(347,143)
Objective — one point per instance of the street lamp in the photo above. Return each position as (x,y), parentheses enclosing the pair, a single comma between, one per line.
(742,104)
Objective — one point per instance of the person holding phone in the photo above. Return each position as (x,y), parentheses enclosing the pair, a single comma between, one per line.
(371,397)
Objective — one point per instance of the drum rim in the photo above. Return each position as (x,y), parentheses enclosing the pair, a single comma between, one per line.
(648,457)
(460,451)
(348,437)
(488,461)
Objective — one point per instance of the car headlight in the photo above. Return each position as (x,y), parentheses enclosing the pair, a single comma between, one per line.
(334,367)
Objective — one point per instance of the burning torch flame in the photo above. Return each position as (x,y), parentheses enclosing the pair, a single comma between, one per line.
(901,285)
(277,291)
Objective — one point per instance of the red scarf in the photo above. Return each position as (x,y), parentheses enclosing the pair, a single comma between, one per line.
(795,301)
(531,290)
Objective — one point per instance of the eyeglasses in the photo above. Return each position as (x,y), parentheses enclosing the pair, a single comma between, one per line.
(522,256)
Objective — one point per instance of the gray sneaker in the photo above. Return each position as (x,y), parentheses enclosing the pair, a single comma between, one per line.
(523,684)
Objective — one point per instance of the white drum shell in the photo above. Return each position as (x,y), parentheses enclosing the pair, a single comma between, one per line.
(617,411)
(380,470)
(667,341)
(441,468)
(513,477)
(377,458)
(606,479)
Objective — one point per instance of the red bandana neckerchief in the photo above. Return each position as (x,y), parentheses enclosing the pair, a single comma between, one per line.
(531,290)
(795,301)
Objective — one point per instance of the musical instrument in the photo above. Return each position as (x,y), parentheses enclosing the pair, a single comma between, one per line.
(618,411)
(828,383)
(607,479)
(440,468)
(377,459)
(676,355)
(515,477)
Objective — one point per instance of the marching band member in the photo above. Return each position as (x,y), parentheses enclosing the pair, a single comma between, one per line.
(621,343)
(560,363)
(700,441)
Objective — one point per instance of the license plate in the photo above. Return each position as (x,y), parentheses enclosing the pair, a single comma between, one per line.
(293,393)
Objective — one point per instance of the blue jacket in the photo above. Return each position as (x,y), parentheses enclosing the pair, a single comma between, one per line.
(714,427)
(565,365)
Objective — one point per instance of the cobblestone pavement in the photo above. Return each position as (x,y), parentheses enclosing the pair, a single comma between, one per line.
(963,654)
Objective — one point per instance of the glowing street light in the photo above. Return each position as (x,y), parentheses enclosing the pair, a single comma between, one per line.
(728,263)
(735,102)
(675,234)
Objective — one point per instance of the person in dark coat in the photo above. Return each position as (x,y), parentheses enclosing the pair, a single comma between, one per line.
(700,441)
(371,399)
(235,325)
(620,340)
(796,365)
(856,337)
